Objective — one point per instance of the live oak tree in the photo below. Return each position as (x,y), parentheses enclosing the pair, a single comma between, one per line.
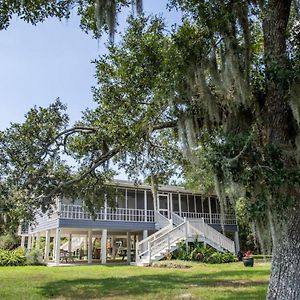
(226,81)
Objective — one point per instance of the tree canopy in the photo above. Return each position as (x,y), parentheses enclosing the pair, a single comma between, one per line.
(220,92)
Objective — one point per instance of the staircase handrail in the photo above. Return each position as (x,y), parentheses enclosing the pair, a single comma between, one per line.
(164,241)
(212,234)
(160,219)
(176,219)
(154,235)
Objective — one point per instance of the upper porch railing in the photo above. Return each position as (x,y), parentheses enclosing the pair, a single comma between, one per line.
(78,212)
(229,219)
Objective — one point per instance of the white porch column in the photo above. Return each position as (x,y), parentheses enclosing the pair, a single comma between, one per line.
(23,242)
(70,243)
(236,241)
(47,246)
(57,246)
(90,246)
(29,242)
(33,241)
(103,246)
(145,234)
(105,209)
(128,247)
(209,208)
(145,205)
(37,241)
(113,251)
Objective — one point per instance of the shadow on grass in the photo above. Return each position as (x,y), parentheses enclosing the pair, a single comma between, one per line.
(150,286)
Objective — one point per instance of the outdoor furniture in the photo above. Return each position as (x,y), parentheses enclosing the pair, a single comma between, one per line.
(66,256)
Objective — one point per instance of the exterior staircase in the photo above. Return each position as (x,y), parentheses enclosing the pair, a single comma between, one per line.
(175,230)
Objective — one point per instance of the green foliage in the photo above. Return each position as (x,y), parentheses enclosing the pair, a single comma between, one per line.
(35,257)
(12,257)
(96,16)
(202,253)
(9,241)
(30,164)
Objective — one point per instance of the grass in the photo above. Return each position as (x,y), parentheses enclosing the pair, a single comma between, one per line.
(201,281)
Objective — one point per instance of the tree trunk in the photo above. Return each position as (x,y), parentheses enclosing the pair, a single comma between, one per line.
(279,125)
(285,277)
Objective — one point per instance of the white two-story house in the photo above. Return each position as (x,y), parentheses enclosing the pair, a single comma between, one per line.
(148,230)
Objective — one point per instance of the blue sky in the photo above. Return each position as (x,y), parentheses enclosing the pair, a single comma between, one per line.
(50,60)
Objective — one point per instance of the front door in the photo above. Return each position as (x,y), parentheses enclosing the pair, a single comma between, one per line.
(164,205)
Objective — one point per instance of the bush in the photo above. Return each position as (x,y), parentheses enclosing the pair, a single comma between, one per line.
(202,253)
(12,258)
(35,257)
(9,241)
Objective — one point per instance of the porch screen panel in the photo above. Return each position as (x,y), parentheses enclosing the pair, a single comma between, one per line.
(213,205)
(175,202)
(218,206)
(184,206)
(198,204)
(191,203)
(121,198)
(131,198)
(205,205)
(140,200)
(150,205)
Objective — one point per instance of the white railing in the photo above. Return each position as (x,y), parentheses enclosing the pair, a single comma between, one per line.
(176,219)
(78,212)
(229,219)
(210,234)
(142,247)
(161,220)
(162,242)
(171,237)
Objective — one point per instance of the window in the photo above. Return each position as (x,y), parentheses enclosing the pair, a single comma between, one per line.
(191,203)
(131,199)
(213,205)
(121,198)
(140,200)
(198,204)
(175,201)
(184,206)
(205,205)
(150,205)
(163,201)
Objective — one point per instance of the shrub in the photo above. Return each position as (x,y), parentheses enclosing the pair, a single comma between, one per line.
(202,253)
(12,257)
(9,241)
(35,257)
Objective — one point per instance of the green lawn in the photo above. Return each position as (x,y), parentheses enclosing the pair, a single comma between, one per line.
(226,281)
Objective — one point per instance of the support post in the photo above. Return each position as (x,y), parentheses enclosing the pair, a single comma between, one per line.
(128,247)
(70,243)
(145,205)
(90,247)
(103,246)
(209,208)
(236,241)
(29,242)
(47,246)
(145,235)
(186,231)
(37,241)
(113,251)
(57,246)
(23,242)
